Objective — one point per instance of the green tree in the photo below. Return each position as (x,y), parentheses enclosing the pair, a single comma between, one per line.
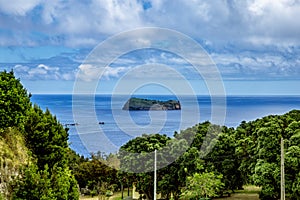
(63,183)
(218,159)
(34,185)
(14,101)
(200,185)
(48,184)
(48,175)
(94,172)
(259,148)
(135,155)
(223,160)
(46,138)
(171,180)
(292,161)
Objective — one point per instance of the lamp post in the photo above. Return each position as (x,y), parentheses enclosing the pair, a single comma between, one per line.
(154,195)
(282,184)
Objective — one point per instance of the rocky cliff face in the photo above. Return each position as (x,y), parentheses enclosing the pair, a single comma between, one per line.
(147,104)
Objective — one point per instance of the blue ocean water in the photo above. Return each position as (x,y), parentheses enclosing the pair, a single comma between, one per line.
(120,126)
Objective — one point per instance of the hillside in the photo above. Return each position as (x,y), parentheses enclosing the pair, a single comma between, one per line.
(13,155)
(28,130)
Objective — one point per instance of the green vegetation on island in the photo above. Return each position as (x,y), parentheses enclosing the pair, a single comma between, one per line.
(37,163)
(148,104)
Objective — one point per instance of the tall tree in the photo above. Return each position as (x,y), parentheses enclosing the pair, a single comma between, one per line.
(48,175)
(135,154)
(93,173)
(199,185)
(48,184)
(259,146)
(46,138)
(14,101)
(223,160)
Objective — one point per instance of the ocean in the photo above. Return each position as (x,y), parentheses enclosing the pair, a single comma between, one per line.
(103,126)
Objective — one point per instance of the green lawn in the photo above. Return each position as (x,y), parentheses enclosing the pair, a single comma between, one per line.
(116,196)
(241,196)
(249,193)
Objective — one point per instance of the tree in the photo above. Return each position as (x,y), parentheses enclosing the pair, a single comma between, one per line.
(223,160)
(135,155)
(46,138)
(171,180)
(63,183)
(218,159)
(34,185)
(292,161)
(200,185)
(47,175)
(259,146)
(93,173)
(48,184)
(14,101)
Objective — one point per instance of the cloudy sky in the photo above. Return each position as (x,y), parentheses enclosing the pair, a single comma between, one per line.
(255,44)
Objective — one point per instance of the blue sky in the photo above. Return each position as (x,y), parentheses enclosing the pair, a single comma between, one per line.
(254,43)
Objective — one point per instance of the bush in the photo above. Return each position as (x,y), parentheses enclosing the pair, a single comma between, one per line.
(109,193)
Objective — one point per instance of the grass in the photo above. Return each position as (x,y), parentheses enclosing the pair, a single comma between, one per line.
(249,189)
(88,198)
(116,196)
(249,192)
(241,196)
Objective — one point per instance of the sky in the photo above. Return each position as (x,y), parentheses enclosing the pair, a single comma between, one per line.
(254,44)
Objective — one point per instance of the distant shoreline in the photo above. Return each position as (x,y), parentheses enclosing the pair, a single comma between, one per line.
(161,95)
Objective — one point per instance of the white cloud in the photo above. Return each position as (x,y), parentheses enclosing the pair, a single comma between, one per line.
(20,68)
(275,22)
(18,7)
(245,38)
(89,72)
(80,23)
(257,65)
(114,72)
(152,72)
(42,72)
(98,17)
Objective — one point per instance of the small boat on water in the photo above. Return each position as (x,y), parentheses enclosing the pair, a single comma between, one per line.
(76,124)
(72,124)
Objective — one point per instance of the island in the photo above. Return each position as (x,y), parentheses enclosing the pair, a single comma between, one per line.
(140,104)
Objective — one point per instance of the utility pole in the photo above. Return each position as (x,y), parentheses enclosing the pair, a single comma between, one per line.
(122,189)
(154,195)
(282,185)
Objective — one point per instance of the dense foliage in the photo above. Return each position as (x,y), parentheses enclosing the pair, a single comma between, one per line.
(249,154)
(14,101)
(48,184)
(142,161)
(46,138)
(96,175)
(258,144)
(205,184)
(41,153)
